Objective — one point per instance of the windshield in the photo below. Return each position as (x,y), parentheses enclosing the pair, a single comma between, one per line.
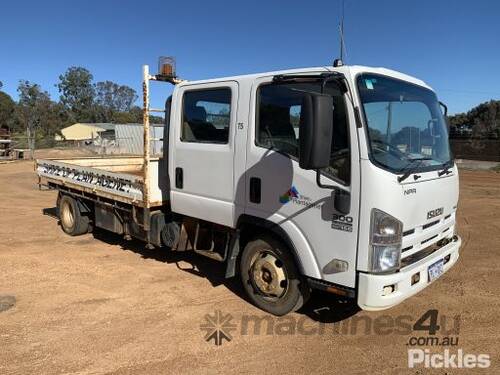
(406,128)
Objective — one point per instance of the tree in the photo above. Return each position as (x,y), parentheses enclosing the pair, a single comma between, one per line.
(484,119)
(119,98)
(7,107)
(31,98)
(38,115)
(134,116)
(112,98)
(77,93)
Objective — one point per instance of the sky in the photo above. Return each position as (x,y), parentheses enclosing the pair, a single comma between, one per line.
(454,46)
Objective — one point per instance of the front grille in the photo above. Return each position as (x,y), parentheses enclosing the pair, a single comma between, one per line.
(428,239)
(430,224)
(408,232)
(407,249)
(419,241)
(418,256)
(425,252)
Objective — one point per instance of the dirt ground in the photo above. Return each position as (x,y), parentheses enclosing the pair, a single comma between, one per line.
(96,304)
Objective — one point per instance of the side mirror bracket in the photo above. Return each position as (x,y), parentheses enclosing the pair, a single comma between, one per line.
(445,108)
(342,198)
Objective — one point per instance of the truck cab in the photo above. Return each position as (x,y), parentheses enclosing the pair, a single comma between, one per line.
(376,221)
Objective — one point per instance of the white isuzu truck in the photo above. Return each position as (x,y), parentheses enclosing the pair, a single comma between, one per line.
(338,178)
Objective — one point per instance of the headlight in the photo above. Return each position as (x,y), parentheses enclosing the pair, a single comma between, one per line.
(385,242)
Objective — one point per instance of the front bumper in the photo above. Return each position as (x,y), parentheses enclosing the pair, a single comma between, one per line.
(371,294)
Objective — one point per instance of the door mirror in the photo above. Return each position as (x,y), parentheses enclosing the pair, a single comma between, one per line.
(315,131)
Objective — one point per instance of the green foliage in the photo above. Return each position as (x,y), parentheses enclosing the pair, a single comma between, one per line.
(113,99)
(36,119)
(7,108)
(77,93)
(119,98)
(484,119)
(104,101)
(156,120)
(134,116)
(37,114)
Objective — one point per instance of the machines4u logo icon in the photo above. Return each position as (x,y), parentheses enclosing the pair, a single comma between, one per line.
(293,195)
(218,327)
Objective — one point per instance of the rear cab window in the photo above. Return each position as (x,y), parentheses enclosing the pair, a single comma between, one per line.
(206,115)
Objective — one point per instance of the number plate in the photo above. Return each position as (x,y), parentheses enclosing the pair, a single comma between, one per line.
(435,270)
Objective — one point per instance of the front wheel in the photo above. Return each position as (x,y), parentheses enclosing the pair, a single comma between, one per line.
(270,277)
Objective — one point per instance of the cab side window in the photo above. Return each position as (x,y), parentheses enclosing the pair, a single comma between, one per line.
(278,119)
(278,123)
(206,116)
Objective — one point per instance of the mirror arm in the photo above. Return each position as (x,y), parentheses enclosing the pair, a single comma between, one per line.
(343,206)
(318,182)
(331,187)
(445,108)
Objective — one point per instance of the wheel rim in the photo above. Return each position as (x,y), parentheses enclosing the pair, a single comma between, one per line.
(67,215)
(268,275)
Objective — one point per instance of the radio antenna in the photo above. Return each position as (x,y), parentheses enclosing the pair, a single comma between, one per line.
(342,32)
(340,61)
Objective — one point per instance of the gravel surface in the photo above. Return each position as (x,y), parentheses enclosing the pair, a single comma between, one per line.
(95,304)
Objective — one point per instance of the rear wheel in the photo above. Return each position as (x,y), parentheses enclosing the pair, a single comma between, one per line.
(270,277)
(72,220)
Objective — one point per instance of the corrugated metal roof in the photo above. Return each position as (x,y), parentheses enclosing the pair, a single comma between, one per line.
(129,138)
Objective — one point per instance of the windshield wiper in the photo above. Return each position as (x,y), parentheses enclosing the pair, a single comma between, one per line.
(446,169)
(408,170)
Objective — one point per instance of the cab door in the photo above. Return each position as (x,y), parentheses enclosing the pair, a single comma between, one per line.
(203,148)
(289,195)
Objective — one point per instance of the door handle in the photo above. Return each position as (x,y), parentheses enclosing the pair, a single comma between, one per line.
(179,178)
(255,190)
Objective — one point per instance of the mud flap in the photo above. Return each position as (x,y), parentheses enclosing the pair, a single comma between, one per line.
(234,250)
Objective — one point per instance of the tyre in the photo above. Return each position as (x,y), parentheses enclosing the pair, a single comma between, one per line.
(270,277)
(71,219)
